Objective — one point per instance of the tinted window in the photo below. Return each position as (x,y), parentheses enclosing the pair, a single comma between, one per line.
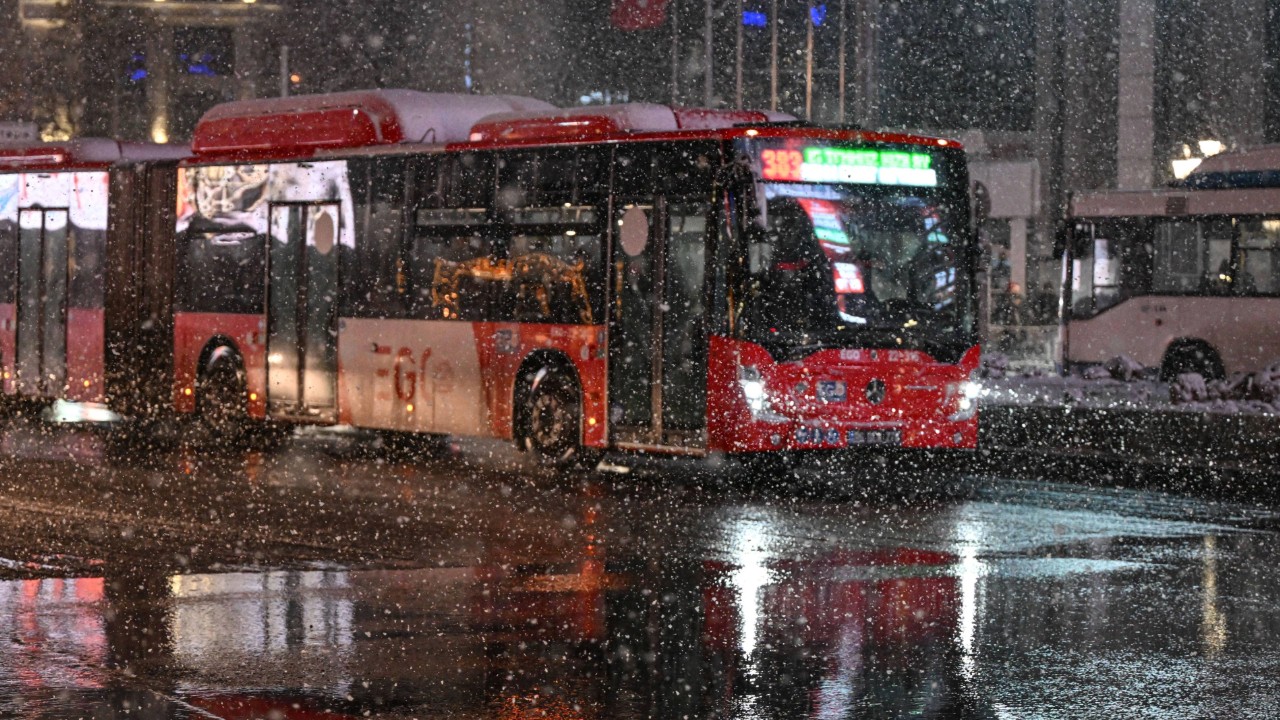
(1192,257)
(1259,271)
(557,273)
(687,169)
(469,180)
(457,274)
(220,271)
(86,281)
(8,259)
(373,278)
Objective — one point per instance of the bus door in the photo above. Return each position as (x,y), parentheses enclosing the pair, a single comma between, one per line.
(41,337)
(302,294)
(658,339)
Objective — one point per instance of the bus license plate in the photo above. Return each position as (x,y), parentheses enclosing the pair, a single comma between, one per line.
(817,436)
(875,437)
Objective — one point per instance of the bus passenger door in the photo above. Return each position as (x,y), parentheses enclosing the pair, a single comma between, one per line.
(657,355)
(41,338)
(302,294)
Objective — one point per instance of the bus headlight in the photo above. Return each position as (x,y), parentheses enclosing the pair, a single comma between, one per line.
(965,395)
(753,390)
(752,384)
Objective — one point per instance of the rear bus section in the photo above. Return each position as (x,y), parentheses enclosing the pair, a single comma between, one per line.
(65,210)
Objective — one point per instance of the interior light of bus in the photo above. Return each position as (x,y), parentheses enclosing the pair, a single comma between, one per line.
(408,408)
(253,397)
(87,383)
(591,421)
(186,391)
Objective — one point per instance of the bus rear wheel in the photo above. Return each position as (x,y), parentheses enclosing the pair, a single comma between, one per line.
(221,403)
(553,420)
(1191,358)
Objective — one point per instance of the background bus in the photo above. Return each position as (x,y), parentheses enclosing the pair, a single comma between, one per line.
(83,273)
(639,277)
(1185,279)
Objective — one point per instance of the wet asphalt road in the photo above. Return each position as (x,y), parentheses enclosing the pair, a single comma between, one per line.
(323,580)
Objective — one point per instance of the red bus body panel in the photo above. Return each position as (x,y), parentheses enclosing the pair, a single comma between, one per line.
(192,333)
(915,403)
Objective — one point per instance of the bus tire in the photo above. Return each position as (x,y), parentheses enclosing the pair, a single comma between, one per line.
(1191,357)
(552,427)
(221,402)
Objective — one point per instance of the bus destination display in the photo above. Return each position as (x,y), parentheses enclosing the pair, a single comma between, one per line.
(860,166)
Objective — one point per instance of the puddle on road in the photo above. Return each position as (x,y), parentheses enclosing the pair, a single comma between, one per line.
(585,602)
(883,631)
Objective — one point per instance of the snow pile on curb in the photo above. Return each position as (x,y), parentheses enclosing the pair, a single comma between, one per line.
(1121,383)
(1254,393)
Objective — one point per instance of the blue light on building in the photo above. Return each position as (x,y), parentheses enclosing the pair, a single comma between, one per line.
(754,18)
(818,13)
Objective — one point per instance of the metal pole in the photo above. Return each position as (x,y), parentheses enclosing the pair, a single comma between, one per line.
(737,85)
(284,71)
(708,70)
(773,57)
(842,61)
(675,54)
(808,63)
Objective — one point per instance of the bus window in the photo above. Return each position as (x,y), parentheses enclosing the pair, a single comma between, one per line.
(221,271)
(8,260)
(557,278)
(517,180)
(1192,257)
(372,276)
(457,276)
(1106,273)
(469,183)
(1259,268)
(684,341)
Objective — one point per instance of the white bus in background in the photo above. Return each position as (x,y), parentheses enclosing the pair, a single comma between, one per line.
(1183,279)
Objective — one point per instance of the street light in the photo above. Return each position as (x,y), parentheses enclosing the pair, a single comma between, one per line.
(1209,148)
(1190,160)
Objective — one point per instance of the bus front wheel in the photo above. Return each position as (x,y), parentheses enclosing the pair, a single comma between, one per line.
(553,419)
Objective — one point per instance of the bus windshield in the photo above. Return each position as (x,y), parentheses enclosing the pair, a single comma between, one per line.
(830,262)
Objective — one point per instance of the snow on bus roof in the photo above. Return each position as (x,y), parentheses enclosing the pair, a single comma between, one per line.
(1257,167)
(82,153)
(302,124)
(582,123)
(1262,157)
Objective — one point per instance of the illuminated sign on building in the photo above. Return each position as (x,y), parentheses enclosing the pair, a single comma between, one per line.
(860,166)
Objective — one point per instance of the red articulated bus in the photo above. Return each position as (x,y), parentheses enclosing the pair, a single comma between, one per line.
(76,252)
(633,276)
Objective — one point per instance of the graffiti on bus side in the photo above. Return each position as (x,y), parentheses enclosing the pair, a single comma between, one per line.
(413,375)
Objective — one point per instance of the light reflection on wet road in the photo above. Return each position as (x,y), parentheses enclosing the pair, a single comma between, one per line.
(315,581)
